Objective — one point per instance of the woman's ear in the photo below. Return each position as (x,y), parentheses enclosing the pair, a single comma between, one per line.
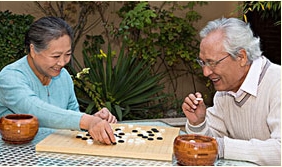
(31,50)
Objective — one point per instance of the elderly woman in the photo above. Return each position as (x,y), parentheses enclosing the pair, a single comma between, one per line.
(38,83)
(246,116)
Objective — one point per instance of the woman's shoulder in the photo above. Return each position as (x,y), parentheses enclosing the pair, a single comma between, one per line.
(16,69)
(20,62)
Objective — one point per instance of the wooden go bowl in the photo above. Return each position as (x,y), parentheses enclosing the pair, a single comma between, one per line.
(18,128)
(196,150)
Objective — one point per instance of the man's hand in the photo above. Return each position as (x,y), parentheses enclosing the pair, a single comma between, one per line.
(194,108)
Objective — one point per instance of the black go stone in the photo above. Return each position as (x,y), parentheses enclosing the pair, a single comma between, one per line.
(121,141)
(121,133)
(84,138)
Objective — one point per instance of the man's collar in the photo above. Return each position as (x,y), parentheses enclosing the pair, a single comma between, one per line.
(250,84)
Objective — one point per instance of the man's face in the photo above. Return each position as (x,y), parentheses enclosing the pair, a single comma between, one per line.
(228,74)
(49,62)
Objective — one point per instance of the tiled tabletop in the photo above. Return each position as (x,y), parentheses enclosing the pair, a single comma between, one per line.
(25,155)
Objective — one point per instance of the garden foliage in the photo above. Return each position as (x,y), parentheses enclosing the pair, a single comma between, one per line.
(123,87)
(12,34)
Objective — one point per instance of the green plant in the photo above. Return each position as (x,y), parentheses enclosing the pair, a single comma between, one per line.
(266,9)
(124,87)
(167,41)
(12,34)
(76,13)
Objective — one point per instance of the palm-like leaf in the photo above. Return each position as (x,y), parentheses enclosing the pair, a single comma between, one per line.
(127,85)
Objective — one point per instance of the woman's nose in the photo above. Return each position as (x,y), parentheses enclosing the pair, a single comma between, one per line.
(63,60)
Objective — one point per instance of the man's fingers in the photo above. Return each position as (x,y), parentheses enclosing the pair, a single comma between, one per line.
(186,107)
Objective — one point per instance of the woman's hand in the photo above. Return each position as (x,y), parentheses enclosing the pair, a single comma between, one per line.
(105,114)
(99,129)
(194,108)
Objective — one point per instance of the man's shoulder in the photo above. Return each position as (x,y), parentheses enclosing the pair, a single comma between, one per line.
(274,72)
(275,67)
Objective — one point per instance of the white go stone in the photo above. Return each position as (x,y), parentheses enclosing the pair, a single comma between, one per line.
(89,141)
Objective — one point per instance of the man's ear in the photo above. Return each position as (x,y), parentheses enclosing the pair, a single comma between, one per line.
(243,58)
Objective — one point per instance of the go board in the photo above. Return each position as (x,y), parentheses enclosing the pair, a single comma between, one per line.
(132,141)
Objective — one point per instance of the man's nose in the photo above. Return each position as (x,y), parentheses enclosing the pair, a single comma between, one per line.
(207,71)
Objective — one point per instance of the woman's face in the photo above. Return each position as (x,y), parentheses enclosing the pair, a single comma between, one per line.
(50,61)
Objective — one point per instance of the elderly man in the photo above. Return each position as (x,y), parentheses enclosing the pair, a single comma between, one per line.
(245,118)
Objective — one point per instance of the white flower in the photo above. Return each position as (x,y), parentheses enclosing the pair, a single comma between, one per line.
(85,70)
(78,75)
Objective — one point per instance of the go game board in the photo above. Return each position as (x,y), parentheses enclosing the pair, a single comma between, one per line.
(132,141)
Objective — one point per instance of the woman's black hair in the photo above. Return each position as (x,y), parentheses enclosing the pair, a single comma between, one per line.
(42,31)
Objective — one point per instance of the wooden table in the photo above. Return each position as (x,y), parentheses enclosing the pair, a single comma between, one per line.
(25,155)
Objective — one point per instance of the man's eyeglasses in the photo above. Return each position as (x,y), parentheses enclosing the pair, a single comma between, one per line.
(211,64)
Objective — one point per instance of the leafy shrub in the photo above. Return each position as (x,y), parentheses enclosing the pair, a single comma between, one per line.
(123,87)
(12,33)
(267,9)
(169,42)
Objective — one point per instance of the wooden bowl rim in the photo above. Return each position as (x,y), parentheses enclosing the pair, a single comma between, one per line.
(188,137)
(19,116)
